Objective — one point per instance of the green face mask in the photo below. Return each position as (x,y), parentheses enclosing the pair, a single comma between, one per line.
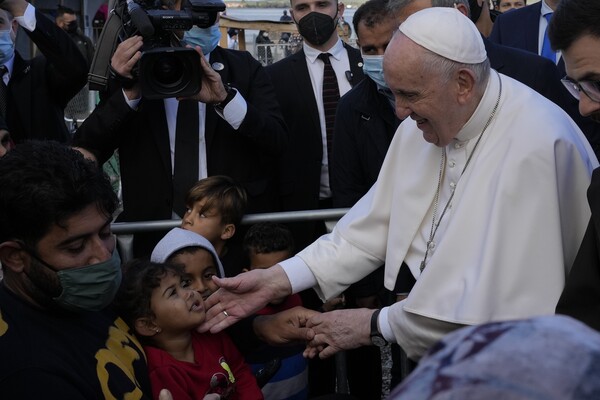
(88,288)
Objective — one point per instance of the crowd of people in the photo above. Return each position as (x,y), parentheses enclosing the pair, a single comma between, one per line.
(463,136)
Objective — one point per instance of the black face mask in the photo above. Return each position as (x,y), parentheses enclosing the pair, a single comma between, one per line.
(316,28)
(475,10)
(71,27)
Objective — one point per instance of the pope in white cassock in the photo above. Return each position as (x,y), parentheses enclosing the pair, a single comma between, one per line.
(482,194)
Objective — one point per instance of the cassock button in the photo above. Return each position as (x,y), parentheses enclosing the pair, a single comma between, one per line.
(451,163)
(458,145)
(431,245)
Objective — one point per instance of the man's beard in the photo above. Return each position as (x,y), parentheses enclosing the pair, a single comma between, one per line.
(42,285)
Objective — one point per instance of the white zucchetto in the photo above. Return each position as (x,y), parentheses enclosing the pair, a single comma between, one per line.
(446,32)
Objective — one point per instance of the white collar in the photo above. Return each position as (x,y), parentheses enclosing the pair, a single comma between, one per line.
(336,51)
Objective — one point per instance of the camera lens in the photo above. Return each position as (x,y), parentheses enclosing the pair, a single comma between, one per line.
(168,70)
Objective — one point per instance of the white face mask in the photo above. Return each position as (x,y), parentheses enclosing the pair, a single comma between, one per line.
(7,46)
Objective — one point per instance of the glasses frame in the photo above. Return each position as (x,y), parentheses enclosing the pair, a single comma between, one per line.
(590,88)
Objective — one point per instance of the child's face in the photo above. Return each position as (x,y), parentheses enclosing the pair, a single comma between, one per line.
(266,260)
(201,267)
(206,223)
(176,307)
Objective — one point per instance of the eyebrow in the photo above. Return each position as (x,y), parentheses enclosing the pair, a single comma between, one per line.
(70,240)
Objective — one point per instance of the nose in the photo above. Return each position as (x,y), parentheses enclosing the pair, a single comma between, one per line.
(102,249)
(187,218)
(3,150)
(588,106)
(190,293)
(402,112)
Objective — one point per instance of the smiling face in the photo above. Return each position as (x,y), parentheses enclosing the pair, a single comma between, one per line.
(201,267)
(422,94)
(176,307)
(582,62)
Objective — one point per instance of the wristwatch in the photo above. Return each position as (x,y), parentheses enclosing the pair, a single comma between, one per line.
(376,337)
(231,92)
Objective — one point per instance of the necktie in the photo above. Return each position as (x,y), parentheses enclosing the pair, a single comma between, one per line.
(3,92)
(331,95)
(185,170)
(546,48)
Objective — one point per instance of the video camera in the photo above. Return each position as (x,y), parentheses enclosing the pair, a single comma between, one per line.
(165,69)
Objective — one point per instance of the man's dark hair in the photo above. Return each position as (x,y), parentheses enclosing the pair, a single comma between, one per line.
(44,183)
(370,13)
(140,278)
(573,19)
(62,10)
(268,237)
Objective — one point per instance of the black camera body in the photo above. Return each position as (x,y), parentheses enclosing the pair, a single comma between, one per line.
(166,70)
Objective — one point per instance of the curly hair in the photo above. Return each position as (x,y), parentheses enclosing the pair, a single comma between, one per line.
(140,278)
(44,183)
(268,237)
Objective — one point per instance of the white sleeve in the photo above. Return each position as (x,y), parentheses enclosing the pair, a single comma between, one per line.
(27,20)
(414,333)
(235,111)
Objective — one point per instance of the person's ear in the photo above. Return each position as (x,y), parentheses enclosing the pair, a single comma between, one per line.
(228,232)
(462,8)
(13,257)
(145,326)
(466,85)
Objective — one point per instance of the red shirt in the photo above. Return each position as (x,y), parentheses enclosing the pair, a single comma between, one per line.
(218,368)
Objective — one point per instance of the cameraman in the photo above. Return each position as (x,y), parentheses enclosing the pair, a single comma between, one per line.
(35,92)
(239,132)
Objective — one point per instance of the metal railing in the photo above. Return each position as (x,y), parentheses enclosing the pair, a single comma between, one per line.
(287,216)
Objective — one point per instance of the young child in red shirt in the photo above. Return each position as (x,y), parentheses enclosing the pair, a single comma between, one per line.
(157,301)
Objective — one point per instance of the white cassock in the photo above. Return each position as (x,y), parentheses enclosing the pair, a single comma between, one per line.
(507,240)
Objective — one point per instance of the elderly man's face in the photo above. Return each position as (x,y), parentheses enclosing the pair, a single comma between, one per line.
(426,97)
(582,62)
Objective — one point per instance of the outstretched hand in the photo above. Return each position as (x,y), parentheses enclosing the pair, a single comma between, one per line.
(285,327)
(338,330)
(243,295)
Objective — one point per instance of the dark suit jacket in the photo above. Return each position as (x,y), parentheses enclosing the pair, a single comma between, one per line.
(248,155)
(300,172)
(580,298)
(365,124)
(40,88)
(520,29)
(541,75)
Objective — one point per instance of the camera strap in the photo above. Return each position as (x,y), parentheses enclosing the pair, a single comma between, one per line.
(100,68)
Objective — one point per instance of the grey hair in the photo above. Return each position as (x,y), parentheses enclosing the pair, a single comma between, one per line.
(446,68)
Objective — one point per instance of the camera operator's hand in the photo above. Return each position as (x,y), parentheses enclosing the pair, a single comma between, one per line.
(213,91)
(124,59)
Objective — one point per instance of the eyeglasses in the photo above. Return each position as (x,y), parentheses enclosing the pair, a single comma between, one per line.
(590,88)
